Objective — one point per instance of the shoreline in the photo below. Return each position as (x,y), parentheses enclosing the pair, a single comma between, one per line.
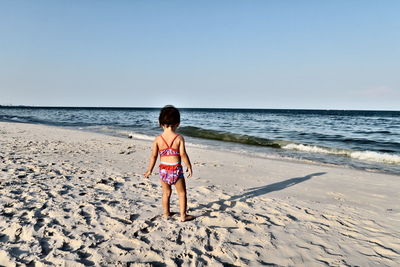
(341,138)
(77,197)
(236,148)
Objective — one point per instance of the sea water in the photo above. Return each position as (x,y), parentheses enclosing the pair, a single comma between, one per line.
(368,140)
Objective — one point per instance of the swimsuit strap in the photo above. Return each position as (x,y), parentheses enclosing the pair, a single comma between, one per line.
(164,141)
(171,142)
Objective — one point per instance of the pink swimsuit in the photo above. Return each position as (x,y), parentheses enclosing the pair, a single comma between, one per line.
(170,172)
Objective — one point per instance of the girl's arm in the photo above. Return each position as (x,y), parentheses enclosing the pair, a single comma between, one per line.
(185,157)
(153,159)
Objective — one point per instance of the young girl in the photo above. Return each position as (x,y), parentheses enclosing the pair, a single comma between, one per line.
(171,147)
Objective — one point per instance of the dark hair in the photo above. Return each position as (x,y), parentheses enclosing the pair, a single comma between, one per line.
(169,116)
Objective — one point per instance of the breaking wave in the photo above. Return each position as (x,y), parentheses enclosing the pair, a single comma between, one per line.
(360,155)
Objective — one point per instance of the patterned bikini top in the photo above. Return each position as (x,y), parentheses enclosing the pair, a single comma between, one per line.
(169,151)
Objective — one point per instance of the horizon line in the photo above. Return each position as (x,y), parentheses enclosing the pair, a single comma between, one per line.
(226,108)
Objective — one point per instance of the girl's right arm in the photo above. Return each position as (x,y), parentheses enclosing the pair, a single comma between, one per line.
(153,159)
(185,157)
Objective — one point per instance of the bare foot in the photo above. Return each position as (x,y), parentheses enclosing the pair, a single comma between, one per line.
(168,215)
(187,218)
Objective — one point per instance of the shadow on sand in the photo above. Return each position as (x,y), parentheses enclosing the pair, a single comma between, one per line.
(259,191)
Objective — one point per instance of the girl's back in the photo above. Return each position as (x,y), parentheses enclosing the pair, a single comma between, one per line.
(170,146)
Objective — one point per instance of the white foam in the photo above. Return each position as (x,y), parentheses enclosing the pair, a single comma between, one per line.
(375,156)
(19,119)
(141,136)
(122,132)
(189,144)
(360,155)
(306,148)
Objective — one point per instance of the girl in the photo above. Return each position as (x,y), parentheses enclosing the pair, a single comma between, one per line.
(171,147)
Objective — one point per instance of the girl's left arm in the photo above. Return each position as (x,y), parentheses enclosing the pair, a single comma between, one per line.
(185,156)
(153,159)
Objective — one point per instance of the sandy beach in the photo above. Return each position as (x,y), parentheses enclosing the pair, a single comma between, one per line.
(74,198)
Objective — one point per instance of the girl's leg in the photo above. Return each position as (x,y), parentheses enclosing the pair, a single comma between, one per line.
(181,190)
(165,198)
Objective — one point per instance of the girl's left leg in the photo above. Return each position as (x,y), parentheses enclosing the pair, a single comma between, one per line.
(181,190)
(165,198)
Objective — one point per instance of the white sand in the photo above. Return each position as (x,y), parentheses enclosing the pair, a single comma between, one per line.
(71,198)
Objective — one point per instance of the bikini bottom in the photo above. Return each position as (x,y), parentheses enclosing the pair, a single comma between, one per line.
(171,173)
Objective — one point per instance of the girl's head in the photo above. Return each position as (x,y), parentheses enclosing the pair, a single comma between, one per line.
(169,116)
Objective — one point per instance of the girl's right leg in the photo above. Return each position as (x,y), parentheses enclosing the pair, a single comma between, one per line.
(166,188)
(181,190)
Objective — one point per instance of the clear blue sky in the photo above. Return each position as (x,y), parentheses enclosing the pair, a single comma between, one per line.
(252,54)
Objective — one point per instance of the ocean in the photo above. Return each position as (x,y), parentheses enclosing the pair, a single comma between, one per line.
(368,140)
